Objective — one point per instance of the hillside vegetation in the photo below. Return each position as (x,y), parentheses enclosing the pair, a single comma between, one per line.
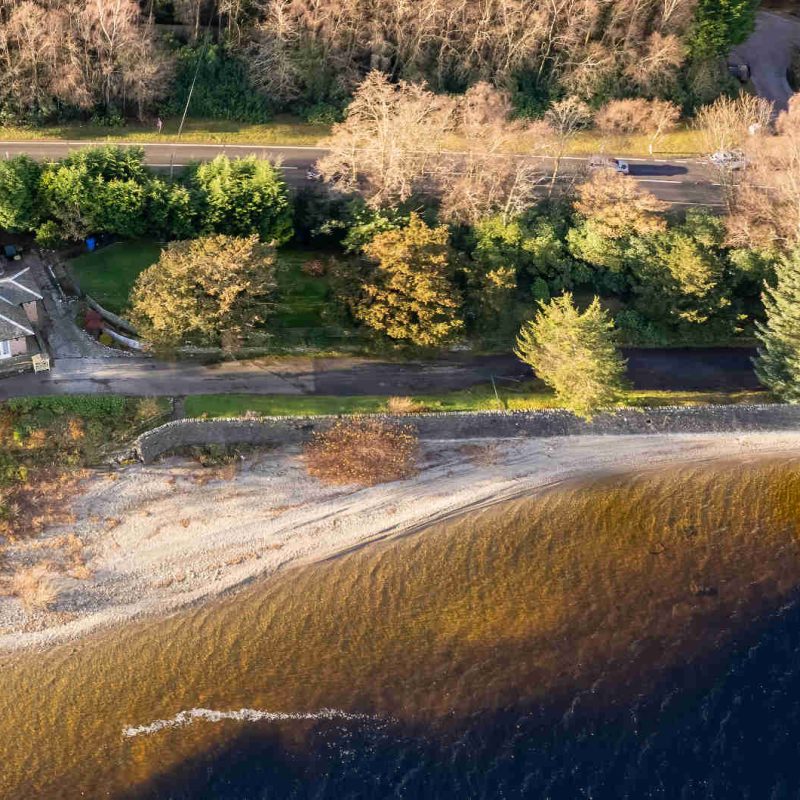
(246,60)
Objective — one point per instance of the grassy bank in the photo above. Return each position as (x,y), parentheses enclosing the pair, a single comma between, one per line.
(479,398)
(45,442)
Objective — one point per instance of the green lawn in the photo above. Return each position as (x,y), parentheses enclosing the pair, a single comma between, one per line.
(302,299)
(480,398)
(108,274)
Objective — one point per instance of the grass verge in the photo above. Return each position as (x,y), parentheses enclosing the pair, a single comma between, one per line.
(479,398)
(283,130)
(293,132)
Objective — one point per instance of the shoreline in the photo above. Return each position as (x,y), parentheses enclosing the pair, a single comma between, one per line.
(164,537)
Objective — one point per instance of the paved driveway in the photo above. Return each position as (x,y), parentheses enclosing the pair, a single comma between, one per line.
(769,53)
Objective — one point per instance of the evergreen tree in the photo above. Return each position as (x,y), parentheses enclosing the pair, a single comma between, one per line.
(243,196)
(778,362)
(209,291)
(413,299)
(574,353)
(20,202)
(721,24)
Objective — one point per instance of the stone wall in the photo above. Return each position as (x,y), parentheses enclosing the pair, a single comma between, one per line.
(475,425)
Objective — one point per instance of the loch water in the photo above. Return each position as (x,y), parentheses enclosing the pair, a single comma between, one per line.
(622,637)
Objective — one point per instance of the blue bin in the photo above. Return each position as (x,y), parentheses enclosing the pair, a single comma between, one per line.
(91,243)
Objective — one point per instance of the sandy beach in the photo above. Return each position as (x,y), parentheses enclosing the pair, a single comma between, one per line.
(156,538)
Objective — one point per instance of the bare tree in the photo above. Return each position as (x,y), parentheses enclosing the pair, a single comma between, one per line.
(79,54)
(566,119)
(731,124)
(490,177)
(389,146)
(652,118)
(765,209)
(189,13)
(617,206)
(581,44)
(728,122)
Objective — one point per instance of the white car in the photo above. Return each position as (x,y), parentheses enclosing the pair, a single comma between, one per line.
(603,162)
(729,159)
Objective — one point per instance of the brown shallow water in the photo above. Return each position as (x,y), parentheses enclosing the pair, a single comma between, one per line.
(599,591)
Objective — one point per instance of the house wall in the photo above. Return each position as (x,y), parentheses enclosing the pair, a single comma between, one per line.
(19,347)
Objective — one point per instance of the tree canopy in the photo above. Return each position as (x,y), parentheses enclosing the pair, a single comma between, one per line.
(208,291)
(778,362)
(412,298)
(573,352)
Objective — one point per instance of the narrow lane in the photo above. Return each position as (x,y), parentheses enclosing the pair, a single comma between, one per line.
(712,369)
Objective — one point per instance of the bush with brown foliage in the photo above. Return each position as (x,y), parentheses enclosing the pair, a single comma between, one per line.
(363,451)
(37,587)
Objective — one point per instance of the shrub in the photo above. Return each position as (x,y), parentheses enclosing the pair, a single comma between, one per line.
(48,235)
(794,70)
(323,114)
(363,451)
(86,406)
(148,408)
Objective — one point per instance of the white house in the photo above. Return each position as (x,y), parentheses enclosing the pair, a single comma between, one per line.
(19,312)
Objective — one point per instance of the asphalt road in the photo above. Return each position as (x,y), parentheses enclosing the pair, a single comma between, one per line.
(717,369)
(682,182)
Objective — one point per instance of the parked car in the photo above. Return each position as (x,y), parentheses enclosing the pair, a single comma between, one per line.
(729,159)
(604,162)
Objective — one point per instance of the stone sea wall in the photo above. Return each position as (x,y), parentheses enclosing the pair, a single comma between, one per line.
(475,425)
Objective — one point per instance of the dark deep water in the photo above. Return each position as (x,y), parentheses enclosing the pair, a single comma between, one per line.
(731,734)
(630,637)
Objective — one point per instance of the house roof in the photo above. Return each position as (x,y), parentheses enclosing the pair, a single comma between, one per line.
(13,323)
(16,288)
